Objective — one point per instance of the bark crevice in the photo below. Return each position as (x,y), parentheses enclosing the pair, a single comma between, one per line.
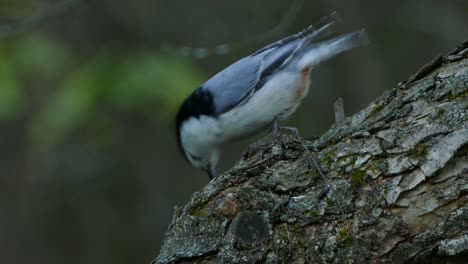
(398,176)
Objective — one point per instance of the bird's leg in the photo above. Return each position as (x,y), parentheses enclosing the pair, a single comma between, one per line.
(276,127)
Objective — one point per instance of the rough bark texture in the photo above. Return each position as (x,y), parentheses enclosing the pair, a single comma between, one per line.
(398,177)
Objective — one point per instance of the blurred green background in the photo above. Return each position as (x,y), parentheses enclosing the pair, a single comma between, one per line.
(89,167)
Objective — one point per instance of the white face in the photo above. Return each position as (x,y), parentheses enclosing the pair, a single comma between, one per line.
(200,139)
(204,162)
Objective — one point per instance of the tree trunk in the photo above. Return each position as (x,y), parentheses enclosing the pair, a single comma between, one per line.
(397,177)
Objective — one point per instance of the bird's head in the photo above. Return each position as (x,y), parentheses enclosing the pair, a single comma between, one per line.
(196,128)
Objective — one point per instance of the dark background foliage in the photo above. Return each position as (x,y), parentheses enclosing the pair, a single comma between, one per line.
(89,167)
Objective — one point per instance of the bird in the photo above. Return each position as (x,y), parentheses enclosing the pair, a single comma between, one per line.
(256,92)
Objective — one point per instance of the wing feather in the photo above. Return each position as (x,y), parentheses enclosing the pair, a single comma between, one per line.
(229,90)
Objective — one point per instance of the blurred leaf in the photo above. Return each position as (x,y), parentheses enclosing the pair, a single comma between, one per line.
(10,90)
(147,84)
(72,104)
(39,55)
(16,9)
(154,80)
(180,80)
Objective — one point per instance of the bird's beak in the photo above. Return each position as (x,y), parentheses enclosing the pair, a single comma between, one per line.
(212,173)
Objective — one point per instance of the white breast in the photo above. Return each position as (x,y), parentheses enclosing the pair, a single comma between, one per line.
(280,96)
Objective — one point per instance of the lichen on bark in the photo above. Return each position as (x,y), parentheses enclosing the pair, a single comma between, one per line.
(398,177)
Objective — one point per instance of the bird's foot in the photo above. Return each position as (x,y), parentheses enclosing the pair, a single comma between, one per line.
(275,128)
(291,130)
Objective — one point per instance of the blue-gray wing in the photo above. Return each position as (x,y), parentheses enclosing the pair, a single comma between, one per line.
(234,83)
(239,81)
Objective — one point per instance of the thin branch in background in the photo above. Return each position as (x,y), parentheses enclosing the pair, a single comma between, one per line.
(226,48)
(285,22)
(44,10)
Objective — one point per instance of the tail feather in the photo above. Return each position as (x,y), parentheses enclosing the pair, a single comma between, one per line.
(322,28)
(325,50)
(312,33)
(316,31)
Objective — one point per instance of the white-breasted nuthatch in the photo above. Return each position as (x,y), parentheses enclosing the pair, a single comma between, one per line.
(255,92)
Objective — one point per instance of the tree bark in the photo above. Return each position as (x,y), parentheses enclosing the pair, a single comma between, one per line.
(397,177)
